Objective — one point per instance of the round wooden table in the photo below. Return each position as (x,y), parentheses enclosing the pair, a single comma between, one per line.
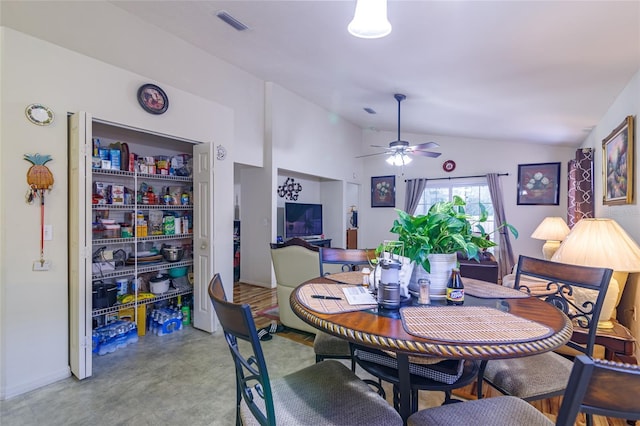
(383,329)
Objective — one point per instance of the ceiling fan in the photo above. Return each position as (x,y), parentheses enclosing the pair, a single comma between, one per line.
(400,151)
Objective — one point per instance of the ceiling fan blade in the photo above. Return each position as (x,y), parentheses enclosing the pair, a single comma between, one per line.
(426,145)
(427,153)
(371,155)
(380,146)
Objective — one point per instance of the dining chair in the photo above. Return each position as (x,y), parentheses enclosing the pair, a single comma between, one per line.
(579,292)
(344,260)
(595,387)
(327,346)
(326,393)
(426,374)
(294,262)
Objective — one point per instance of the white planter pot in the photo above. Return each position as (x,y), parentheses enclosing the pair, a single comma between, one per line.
(441,266)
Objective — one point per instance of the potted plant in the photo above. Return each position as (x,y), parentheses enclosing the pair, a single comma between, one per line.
(433,240)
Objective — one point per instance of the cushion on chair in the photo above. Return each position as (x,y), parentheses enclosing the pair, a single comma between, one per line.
(498,411)
(530,376)
(301,398)
(327,345)
(445,371)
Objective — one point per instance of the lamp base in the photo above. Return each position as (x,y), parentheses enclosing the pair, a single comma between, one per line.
(609,305)
(549,248)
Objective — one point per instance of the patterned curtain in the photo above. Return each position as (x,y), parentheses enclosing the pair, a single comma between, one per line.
(580,193)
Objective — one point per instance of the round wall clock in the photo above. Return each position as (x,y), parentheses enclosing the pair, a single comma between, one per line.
(39,114)
(153,99)
(449,166)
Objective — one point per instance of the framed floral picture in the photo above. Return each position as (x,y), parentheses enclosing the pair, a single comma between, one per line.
(539,184)
(617,164)
(383,191)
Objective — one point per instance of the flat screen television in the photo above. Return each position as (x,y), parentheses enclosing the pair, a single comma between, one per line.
(302,220)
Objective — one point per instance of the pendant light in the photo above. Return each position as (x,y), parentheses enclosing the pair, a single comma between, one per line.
(370,19)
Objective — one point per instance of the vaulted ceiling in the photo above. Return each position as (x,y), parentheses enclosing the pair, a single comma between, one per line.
(538,71)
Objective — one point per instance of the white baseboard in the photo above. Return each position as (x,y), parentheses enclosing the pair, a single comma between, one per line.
(13,391)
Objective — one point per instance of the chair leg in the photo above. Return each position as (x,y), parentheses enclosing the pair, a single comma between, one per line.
(483,366)
(319,358)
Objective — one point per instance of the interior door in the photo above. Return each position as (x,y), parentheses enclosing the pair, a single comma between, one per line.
(80,345)
(203,238)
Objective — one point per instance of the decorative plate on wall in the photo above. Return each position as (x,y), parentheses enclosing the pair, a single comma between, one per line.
(153,99)
(39,114)
(449,166)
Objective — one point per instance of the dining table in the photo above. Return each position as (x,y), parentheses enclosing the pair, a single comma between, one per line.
(495,322)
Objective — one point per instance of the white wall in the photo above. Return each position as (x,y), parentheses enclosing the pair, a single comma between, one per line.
(628,215)
(118,38)
(472,157)
(33,305)
(300,137)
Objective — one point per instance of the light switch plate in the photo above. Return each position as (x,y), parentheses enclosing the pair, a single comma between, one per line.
(48,232)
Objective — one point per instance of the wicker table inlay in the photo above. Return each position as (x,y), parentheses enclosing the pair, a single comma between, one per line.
(486,290)
(328,306)
(482,325)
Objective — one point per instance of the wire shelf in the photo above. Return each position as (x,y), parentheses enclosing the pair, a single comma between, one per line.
(131,270)
(143,176)
(164,296)
(106,241)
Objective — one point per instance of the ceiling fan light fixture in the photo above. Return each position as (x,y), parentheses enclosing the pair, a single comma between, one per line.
(370,19)
(398,159)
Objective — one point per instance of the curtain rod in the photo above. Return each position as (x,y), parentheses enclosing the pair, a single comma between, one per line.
(462,177)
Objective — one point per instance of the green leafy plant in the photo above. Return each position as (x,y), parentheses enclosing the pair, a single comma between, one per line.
(445,229)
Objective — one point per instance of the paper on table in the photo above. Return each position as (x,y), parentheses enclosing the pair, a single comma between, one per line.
(359,296)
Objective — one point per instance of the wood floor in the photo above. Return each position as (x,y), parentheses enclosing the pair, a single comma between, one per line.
(260,298)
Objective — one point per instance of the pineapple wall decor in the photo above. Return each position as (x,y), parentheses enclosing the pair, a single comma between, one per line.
(40,179)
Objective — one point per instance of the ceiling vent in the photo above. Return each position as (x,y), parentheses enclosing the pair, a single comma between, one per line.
(226,17)
(369,110)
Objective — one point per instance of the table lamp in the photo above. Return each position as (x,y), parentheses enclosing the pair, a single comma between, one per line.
(602,243)
(553,230)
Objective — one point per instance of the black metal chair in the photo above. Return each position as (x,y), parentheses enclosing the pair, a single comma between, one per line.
(578,291)
(326,393)
(439,376)
(346,259)
(595,387)
(327,346)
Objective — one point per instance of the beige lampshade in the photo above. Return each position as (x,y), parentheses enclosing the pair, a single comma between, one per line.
(600,243)
(551,228)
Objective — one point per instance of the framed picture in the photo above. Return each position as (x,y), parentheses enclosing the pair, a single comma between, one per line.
(153,99)
(617,164)
(539,184)
(383,191)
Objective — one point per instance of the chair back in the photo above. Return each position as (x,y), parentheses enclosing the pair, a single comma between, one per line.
(294,262)
(252,378)
(603,388)
(578,291)
(344,259)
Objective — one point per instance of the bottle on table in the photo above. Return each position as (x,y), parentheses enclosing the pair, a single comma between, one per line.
(455,288)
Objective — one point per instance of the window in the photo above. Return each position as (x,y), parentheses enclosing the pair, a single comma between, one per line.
(473,192)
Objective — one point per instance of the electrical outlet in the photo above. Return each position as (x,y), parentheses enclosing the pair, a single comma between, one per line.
(41,265)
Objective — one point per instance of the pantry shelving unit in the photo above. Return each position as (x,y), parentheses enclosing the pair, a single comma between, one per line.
(86,242)
(134,270)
